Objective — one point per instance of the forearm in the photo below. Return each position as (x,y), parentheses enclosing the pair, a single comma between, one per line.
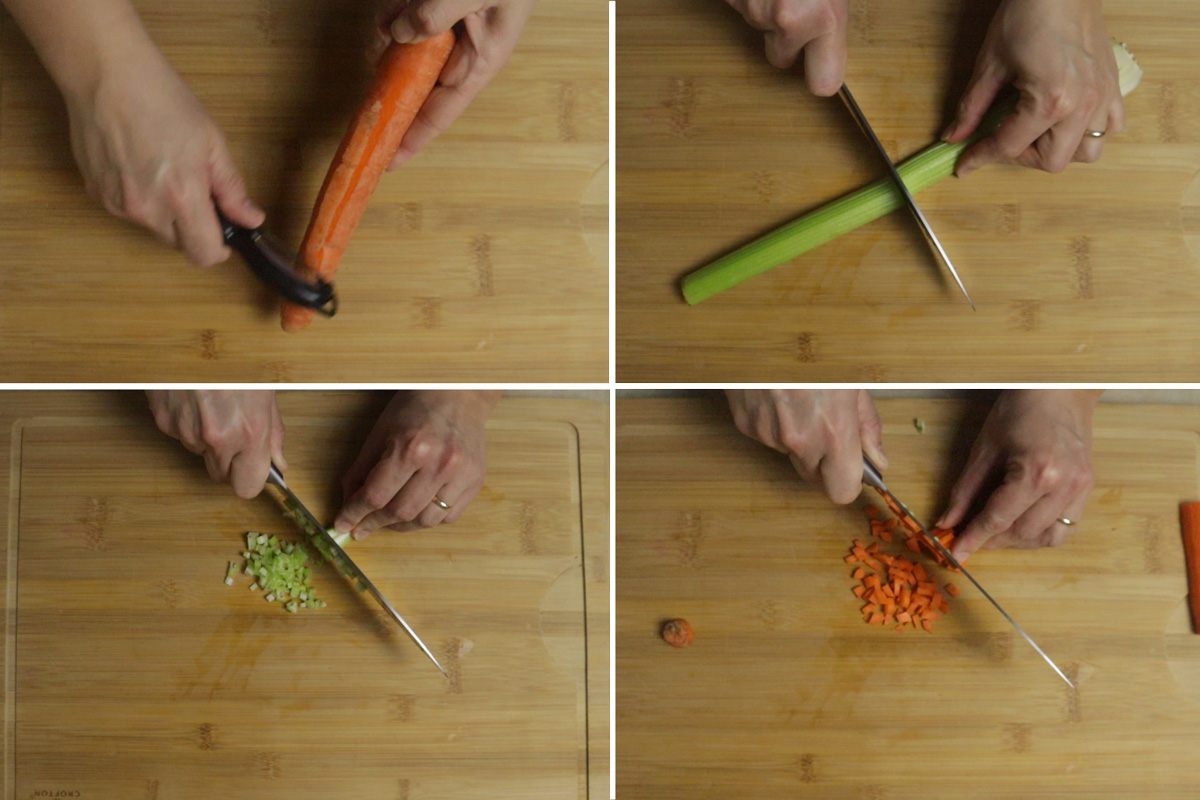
(80,40)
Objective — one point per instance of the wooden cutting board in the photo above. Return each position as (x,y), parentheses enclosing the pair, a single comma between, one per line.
(134,671)
(786,693)
(1085,275)
(485,258)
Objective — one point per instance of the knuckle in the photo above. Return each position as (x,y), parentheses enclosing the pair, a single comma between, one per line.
(417,448)
(1057,103)
(375,497)
(423,19)
(796,441)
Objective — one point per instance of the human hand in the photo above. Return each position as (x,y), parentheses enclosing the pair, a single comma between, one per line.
(1040,442)
(823,432)
(1058,54)
(487,36)
(818,27)
(151,154)
(238,433)
(426,444)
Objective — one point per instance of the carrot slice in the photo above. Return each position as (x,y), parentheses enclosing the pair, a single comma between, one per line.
(927,625)
(951,590)
(858,574)
(875,619)
(403,80)
(858,591)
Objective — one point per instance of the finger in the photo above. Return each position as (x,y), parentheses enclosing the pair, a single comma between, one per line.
(1116,117)
(825,63)
(229,191)
(782,49)
(277,435)
(980,93)
(1003,508)
(217,464)
(462,501)
(248,471)
(1036,525)
(199,233)
(1015,135)
(980,465)
(1060,143)
(417,495)
(841,470)
(382,484)
(423,19)
(870,429)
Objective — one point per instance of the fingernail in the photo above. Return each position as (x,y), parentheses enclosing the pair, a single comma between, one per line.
(360,535)
(402,31)
(949,131)
(341,526)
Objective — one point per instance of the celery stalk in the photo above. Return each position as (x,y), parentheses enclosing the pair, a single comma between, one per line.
(858,208)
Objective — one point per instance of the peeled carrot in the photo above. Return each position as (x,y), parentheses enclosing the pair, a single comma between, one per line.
(406,75)
(1189,515)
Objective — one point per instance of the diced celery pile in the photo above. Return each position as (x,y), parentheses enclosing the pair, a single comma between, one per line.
(278,568)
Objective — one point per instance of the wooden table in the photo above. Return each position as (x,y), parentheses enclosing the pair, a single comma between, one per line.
(786,693)
(133,671)
(1085,275)
(485,258)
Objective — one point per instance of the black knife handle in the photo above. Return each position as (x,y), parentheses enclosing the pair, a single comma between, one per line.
(273,263)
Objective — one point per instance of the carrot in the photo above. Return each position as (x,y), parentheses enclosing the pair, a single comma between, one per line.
(858,591)
(951,590)
(404,79)
(678,633)
(858,574)
(1189,515)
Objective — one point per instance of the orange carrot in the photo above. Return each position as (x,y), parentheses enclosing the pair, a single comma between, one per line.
(951,590)
(1189,515)
(406,75)
(858,574)
(678,633)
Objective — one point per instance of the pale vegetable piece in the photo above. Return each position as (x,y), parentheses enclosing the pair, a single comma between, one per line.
(858,208)
(919,424)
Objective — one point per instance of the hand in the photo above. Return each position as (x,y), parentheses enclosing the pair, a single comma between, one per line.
(818,27)
(487,37)
(151,154)
(823,432)
(1041,443)
(238,433)
(425,444)
(1058,55)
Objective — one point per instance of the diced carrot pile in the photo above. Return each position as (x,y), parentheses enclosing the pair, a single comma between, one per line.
(899,592)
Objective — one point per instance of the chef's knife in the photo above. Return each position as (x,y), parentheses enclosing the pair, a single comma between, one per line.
(909,200)
(278,267)
(334,552)
(873,478)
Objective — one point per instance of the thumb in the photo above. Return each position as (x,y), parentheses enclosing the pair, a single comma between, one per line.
(423,19)
(870,429)
(229,191)
(981,92)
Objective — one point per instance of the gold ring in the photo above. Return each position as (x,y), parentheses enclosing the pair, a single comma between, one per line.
(441,503)
(1094,134)
(1065,521)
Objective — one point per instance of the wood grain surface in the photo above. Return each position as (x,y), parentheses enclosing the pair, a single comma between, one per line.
(786,693)
(133,671)
(1085,275)
(485,257)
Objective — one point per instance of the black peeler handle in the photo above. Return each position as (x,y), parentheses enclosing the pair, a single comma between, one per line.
(273,263)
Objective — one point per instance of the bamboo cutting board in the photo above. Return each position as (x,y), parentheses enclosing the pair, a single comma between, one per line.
(133,671)
(484,258)
(1087,275)
(786,693)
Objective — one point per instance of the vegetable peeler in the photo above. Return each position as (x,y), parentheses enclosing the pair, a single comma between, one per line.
(873,478)
(333,551)
(278,266)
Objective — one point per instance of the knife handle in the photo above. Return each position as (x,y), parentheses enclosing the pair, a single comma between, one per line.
(274,264)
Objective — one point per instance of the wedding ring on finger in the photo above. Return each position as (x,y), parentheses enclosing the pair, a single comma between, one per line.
(1094,134)
(440,503)
(1067,522)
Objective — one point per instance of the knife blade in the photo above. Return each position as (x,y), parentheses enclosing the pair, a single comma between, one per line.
(334,552)
(930,237)
(873,478)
